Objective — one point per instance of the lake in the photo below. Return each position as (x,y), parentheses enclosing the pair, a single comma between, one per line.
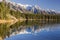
(31,30)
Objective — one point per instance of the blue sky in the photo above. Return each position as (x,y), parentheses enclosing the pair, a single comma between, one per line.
(44,4)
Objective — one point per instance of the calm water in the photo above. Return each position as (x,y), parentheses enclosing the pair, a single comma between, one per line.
(34,30)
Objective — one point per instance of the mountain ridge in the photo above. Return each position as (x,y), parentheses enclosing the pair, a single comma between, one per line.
(25,8)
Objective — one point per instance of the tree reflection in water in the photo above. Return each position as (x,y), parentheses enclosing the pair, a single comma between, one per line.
(7,30)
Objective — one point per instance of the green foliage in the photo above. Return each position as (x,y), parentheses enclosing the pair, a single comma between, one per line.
(4,10)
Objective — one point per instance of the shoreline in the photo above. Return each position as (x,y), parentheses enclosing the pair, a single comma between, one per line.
(6,21)
(21,20)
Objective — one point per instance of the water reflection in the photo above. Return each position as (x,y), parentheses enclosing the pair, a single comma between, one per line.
(4,30)
(32,29)
(29,27)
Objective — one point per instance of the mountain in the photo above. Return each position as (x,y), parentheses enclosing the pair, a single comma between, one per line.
(23,8)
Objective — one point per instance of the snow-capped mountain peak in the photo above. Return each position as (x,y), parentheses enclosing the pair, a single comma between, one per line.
(22,5)
(25,8)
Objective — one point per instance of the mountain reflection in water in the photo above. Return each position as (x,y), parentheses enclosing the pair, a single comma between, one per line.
(32,30)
